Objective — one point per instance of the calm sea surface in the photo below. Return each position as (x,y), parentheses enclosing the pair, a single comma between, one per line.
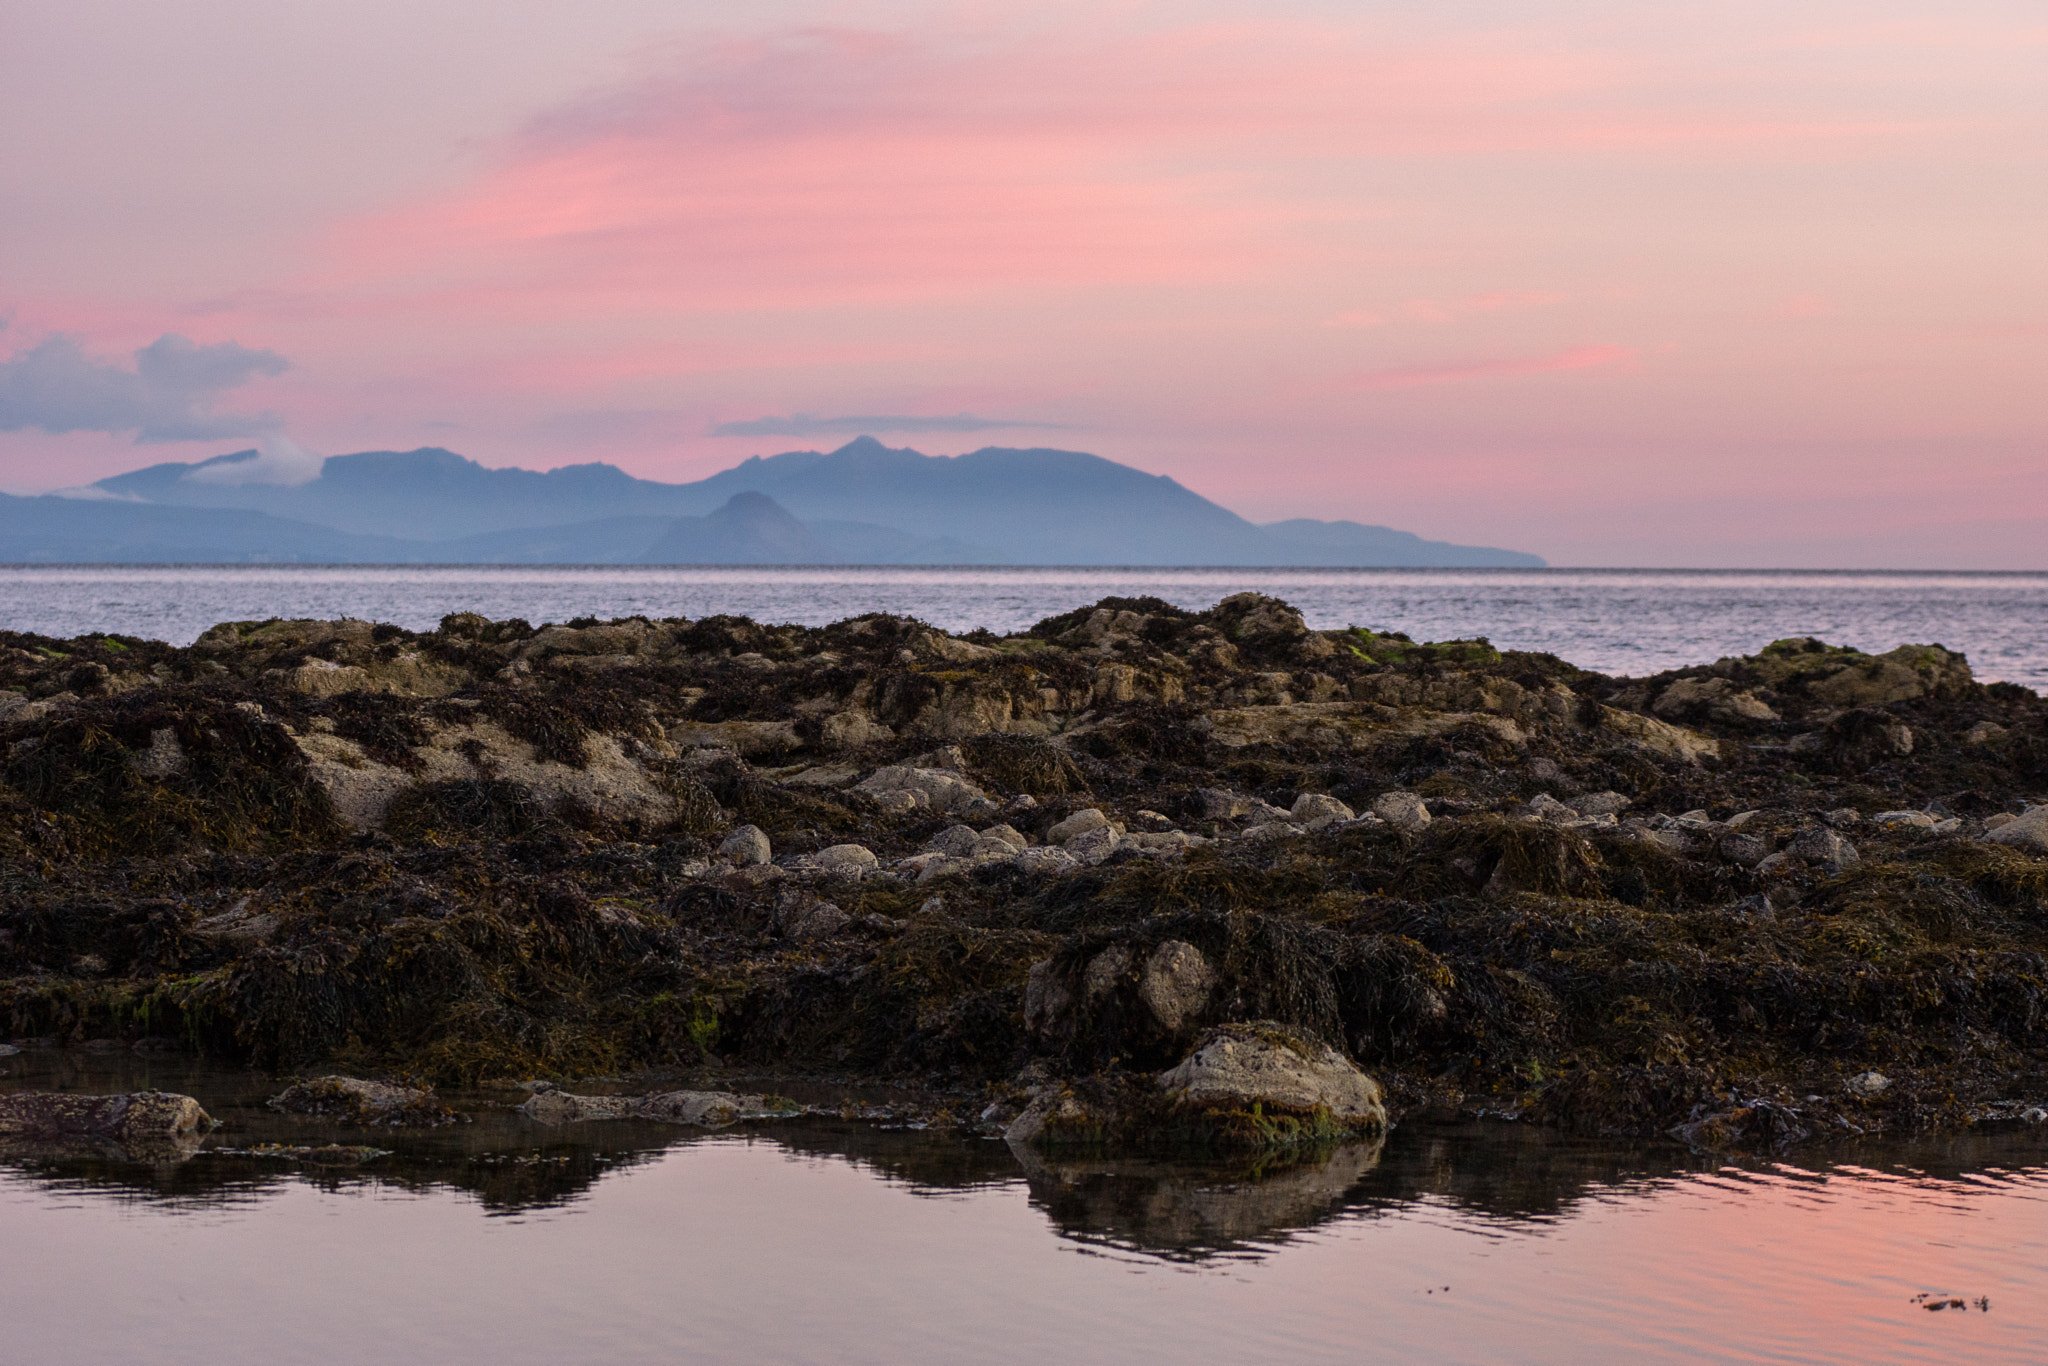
(815,1241)
(1617,621)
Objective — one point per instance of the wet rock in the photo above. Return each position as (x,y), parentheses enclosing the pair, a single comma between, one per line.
(745,846)
(351,1100)
(701,1109)
(1176,984)
(1237,1067)
(1403,810)
(1867,1085)
(1310,807)
(1985,735)
(2027,832)
(1080,823)
(140,1118)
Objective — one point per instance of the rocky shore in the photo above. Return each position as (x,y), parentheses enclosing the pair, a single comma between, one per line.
(1139,876)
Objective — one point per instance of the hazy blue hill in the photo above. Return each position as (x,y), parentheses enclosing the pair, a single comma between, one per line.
(104,531)
(1029,506)
(749,529)
(427,494)
(1353,544)
(863,503)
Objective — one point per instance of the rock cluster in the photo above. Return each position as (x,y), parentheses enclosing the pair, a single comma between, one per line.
(1487,878)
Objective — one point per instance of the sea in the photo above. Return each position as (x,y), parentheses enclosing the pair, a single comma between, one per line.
(1619,621)
(826,1241)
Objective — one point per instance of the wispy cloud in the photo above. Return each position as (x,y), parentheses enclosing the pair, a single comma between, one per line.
(1416,376)
(169,395)
(806,424)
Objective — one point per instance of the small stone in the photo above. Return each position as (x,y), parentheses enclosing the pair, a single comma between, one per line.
(1004,834)
(1313,806)
(1221,804)
(1746,851)
(1044,862)
(1546,808)
(1864,1085)
(1818,845)
(1176,984)
(1402,810)
(954,840)
(1919,820)
(1080,823)
(1599,804)
(745,846)
(844,860)
(1984,734)
(1093,846)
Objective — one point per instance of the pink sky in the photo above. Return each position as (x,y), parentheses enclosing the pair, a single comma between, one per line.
(1745,284)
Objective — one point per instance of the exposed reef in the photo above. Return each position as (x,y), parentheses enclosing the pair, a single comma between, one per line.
(1773,900)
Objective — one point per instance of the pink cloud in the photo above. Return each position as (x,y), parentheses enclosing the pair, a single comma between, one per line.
(1571,358)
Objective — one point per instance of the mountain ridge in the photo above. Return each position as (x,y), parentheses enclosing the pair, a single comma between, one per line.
(862,503)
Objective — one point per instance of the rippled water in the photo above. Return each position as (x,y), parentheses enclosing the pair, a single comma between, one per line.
(827,1242)
(1617,621)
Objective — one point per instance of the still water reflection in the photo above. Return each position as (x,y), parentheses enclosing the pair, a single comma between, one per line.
(831,1242)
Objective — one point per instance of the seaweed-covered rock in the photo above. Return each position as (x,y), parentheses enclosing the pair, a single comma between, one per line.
(700,1109)
(141,1118)
(352,1100)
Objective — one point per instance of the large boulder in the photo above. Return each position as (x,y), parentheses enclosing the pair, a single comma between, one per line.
(1244,1087)
(1263,1066)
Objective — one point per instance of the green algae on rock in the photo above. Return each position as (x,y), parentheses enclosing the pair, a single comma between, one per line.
(1040,864)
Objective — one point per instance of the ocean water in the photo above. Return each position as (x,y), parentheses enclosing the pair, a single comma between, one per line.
(819,1241)
(1617,621)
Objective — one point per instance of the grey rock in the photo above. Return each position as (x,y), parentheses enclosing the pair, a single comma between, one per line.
(939,789)
(844,860)
(1261,1063)
(356,1101)
(1402,810)
(1004,834)
(1046,999)
(745,846)
(1918,820)
(1080,823)
(1823,846)
(1094,846)
(141,1117)
(1314,806)
(1103,972)
(1258,813)
(799,915)
(2028,831)
(1744,850)
(1045,862)
(1548,809)
(1176,984)
(1985,734)
(702,1109)
(1221,804)
(955,840)
(1865,1085)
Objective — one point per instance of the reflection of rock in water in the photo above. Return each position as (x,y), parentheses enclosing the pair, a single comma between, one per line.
(1194,1209)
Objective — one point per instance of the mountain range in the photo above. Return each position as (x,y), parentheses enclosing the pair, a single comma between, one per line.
(864,503)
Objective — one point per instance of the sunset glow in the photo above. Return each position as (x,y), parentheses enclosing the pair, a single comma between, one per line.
(1739,286)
